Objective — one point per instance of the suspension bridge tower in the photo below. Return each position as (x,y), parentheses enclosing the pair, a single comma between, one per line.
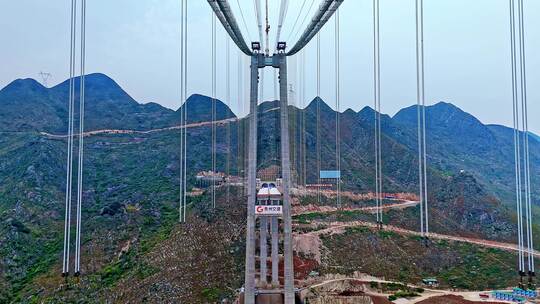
(269,204)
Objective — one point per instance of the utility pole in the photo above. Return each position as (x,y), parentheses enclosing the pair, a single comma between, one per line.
(45,78)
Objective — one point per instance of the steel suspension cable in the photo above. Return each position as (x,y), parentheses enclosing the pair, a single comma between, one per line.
(186,36)
(283,8)
(240,100)
(377,92)
(292,114)
(259,21)
(526,157)
(182,108)
(517,144)
(80,166)
(276,84)
(267,31)
(214,139)
(338,108)
(228,97)
(303,81)
(69,165)
(296,20)
(318,118)
(183,112)
(424,126)
(420,98)
(243,19)
(303,22)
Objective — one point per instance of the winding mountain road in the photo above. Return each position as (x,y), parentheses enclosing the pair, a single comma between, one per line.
(339,227)
(122,132)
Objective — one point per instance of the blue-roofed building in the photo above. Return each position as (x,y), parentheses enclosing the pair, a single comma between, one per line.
(330,174)
(508,296)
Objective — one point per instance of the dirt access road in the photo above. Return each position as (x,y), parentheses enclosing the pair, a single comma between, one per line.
(122,132)
(339,227)
(429,296)
(310,209)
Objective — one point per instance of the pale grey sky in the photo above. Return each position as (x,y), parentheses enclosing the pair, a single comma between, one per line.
(137,44)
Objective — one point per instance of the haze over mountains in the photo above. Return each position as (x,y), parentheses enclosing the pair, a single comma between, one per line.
(131,180)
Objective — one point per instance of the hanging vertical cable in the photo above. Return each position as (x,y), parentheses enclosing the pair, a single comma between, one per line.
(228,97)
(303,82)
(80,166)
(421,117)
(80,148)
(292,67)
(296,34)
(276,84)
(240,100)
(69,166)
(182,109)
(185,68)
(318,118)
(214,139)
(521,145)
(243,19)
(424,126)
(516,129)
(257,8)
(283,8)
(296,20)
(526,156)
(338,108)
(377,105)
(267,31)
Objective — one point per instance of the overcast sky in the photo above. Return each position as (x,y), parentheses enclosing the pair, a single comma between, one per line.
(137,44)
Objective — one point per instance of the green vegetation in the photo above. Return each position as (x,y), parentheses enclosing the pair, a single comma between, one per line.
(211,294)
(406,259)
(131,197)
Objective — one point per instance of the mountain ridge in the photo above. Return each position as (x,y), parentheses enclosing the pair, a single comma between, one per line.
(131,186)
